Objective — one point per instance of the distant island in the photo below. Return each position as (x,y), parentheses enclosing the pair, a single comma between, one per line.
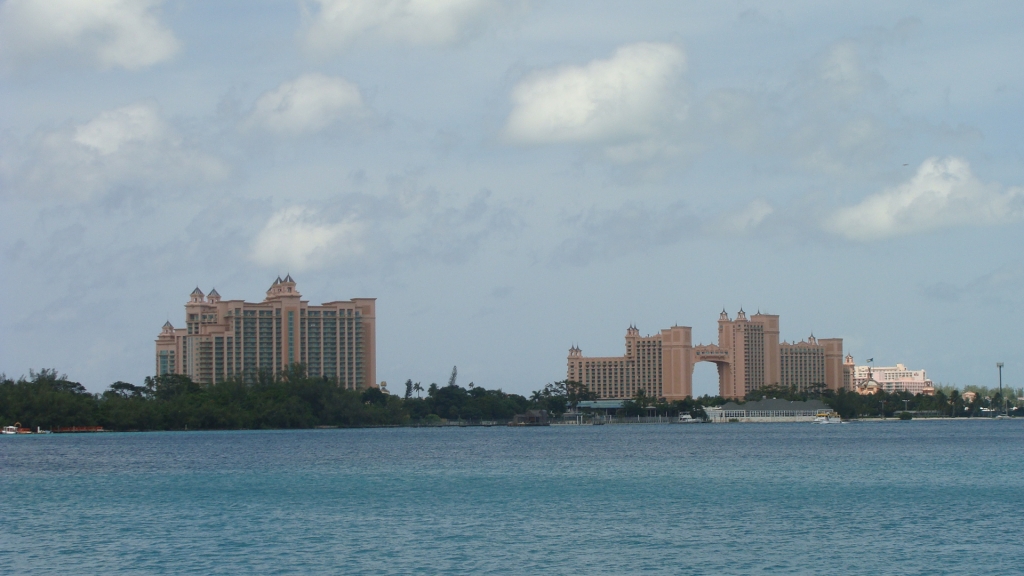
(292,399)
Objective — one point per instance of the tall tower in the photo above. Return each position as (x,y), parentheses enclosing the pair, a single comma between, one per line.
(226,339)
(833,362)
(677,362)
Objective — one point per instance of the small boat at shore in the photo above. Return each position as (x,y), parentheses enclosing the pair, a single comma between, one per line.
(685,418)
(827,418)
(16,429)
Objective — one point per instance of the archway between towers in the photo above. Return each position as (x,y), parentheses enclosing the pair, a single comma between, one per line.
(679,358)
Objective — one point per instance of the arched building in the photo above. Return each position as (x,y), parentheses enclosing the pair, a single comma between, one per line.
(748,355)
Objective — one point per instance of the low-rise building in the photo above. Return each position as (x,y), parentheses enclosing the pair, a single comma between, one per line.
(769,410)
(896,378)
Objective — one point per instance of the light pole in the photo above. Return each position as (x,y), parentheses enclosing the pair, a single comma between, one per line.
(1000,366)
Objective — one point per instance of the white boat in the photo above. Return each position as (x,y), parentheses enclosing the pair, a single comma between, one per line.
(827,418)
(9,430)
(685,418)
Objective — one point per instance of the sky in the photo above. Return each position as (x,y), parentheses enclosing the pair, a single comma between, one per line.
(511,178)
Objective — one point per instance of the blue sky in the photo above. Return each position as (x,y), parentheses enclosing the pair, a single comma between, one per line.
(511,178)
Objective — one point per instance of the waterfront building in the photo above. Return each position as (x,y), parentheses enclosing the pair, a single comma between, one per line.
(896,378)
(769,410)
(748,355)
(225,339)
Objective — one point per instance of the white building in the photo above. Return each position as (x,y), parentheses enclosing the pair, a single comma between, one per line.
(893,379)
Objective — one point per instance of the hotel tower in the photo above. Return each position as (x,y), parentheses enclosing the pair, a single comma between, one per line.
(748,356)
(225,339)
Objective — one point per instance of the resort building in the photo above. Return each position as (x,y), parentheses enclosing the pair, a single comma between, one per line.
(896,378)
(225,339)
(748,356)
(769,410)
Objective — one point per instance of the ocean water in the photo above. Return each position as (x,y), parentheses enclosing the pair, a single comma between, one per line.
(942,497)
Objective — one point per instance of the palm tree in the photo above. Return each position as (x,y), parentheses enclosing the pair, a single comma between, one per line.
(417,388)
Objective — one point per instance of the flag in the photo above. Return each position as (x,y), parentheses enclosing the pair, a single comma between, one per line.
(871,359)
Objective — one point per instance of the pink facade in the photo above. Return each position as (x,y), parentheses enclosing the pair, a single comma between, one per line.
(232,338)
(896,378)
(748,356)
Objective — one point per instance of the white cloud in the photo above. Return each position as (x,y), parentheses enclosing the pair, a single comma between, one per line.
(747,219)
(112,130)
(433,22)
(629,96)
(309,103)
(842,72)
(124,33)
(944,193)
(130,146)
(298,239)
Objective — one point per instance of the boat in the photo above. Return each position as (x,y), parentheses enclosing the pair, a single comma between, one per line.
(685,418)
(827,418)
(16,429)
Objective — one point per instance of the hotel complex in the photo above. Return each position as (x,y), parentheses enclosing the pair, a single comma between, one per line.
(749,355)
(232,338)
(898,378)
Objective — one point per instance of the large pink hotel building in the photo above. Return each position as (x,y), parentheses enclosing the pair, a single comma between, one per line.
(748,355)
(225,339)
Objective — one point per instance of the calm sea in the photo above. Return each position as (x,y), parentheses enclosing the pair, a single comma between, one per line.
(864,498)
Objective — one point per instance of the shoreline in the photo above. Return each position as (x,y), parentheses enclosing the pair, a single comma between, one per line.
(465,425)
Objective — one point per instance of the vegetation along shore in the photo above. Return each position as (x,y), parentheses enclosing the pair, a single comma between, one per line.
(48,400)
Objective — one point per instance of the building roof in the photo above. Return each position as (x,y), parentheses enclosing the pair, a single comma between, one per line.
(601,404)
(214,294)
(776,404)
(197,292)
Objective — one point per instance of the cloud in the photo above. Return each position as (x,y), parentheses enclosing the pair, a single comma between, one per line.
(309,103)
(745,220)
(629,96)
(1003,286)
(297,238)
(600,233)
(407,225)
(131,146)
(842,73)
(113,33)
(943,194)
(115,129)
(336,23)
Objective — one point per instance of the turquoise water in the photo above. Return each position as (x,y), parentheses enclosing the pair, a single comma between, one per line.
(864,498)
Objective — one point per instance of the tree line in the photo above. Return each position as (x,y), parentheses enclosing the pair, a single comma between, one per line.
(292,399)
(848,404)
